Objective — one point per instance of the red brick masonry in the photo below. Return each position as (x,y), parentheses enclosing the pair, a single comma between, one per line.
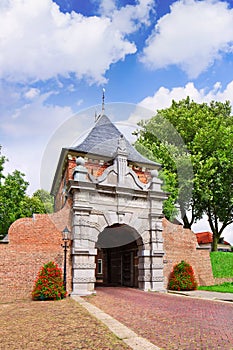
(32,243)
(181,244)
(170,321)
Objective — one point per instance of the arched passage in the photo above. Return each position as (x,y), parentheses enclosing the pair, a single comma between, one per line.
(117,256)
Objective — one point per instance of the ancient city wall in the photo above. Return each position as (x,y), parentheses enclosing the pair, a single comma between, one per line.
(180,244)
(32,243)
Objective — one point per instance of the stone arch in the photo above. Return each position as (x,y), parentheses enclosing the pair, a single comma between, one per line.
(87,228)
(117,257)
(138,227)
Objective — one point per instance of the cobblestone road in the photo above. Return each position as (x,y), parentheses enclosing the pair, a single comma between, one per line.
(170,321)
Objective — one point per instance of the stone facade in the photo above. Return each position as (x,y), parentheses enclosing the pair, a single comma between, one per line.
(117,197)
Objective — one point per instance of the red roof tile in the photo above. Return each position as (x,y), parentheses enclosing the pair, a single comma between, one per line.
(204,237)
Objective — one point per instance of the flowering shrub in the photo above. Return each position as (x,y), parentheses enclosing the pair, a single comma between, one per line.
(182,277)
(49,284)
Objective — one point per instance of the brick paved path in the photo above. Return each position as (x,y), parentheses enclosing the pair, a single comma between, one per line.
(170,321)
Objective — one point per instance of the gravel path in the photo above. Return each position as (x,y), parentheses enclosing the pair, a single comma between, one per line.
(170,321)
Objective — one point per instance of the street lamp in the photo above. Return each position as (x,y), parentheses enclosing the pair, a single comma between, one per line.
(65,238)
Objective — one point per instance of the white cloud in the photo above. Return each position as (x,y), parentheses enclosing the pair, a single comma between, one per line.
(38,41)
(163,97)
(107,7)
(32,93)
(129,18)
(193,35)
(34,119)
(25,134)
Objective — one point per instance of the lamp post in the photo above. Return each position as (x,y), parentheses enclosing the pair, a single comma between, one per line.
(65,238)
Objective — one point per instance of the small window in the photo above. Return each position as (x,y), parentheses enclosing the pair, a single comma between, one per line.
(100,266)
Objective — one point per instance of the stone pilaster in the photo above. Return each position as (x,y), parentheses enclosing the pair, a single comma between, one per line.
(83,271)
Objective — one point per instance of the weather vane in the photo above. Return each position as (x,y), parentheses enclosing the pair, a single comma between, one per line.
(98,116)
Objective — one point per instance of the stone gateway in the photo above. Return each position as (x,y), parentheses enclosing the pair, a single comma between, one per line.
(117,212)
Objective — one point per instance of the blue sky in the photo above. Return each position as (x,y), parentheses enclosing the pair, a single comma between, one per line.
(57,56)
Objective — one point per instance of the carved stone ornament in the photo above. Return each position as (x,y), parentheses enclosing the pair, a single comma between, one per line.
(122,144)
(80,172)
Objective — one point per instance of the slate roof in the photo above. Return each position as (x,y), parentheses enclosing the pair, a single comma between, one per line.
(103,141)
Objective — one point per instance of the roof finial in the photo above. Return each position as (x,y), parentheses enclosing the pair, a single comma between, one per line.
(103,97)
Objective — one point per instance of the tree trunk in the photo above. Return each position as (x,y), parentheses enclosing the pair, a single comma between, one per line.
(186,222)
(213,222)
(214,247)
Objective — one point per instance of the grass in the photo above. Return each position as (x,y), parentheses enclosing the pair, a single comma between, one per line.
(226,287)
(53,325)
(222,267)
(222,264)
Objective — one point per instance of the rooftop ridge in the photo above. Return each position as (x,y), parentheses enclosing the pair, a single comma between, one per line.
(103,140)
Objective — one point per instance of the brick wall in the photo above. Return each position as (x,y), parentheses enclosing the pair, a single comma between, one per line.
(32,243)
(180,244)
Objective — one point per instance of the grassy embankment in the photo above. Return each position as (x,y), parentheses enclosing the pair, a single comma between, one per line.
(222,266)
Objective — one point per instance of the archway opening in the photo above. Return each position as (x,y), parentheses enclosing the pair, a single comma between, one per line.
(117,256)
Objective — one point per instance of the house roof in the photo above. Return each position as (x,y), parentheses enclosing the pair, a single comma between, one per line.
(204,237)
(207,237)
(103,141)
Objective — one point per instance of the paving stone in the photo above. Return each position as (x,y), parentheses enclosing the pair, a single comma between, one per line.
(120,330)
(170,321)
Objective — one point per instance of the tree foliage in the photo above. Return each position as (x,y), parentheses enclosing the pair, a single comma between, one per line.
(31,205)
(203,149)
(14,202)
(12,192)
(46,199)
(2,161)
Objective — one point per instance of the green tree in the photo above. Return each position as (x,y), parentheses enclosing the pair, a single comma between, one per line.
(12,192)
(2,162)
(46,198)
(14,202)
(207,133)
(29,206)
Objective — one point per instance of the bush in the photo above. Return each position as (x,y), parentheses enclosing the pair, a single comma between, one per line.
(49,283)
(182,277)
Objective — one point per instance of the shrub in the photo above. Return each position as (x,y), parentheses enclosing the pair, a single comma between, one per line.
(49,284)
(182,277)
